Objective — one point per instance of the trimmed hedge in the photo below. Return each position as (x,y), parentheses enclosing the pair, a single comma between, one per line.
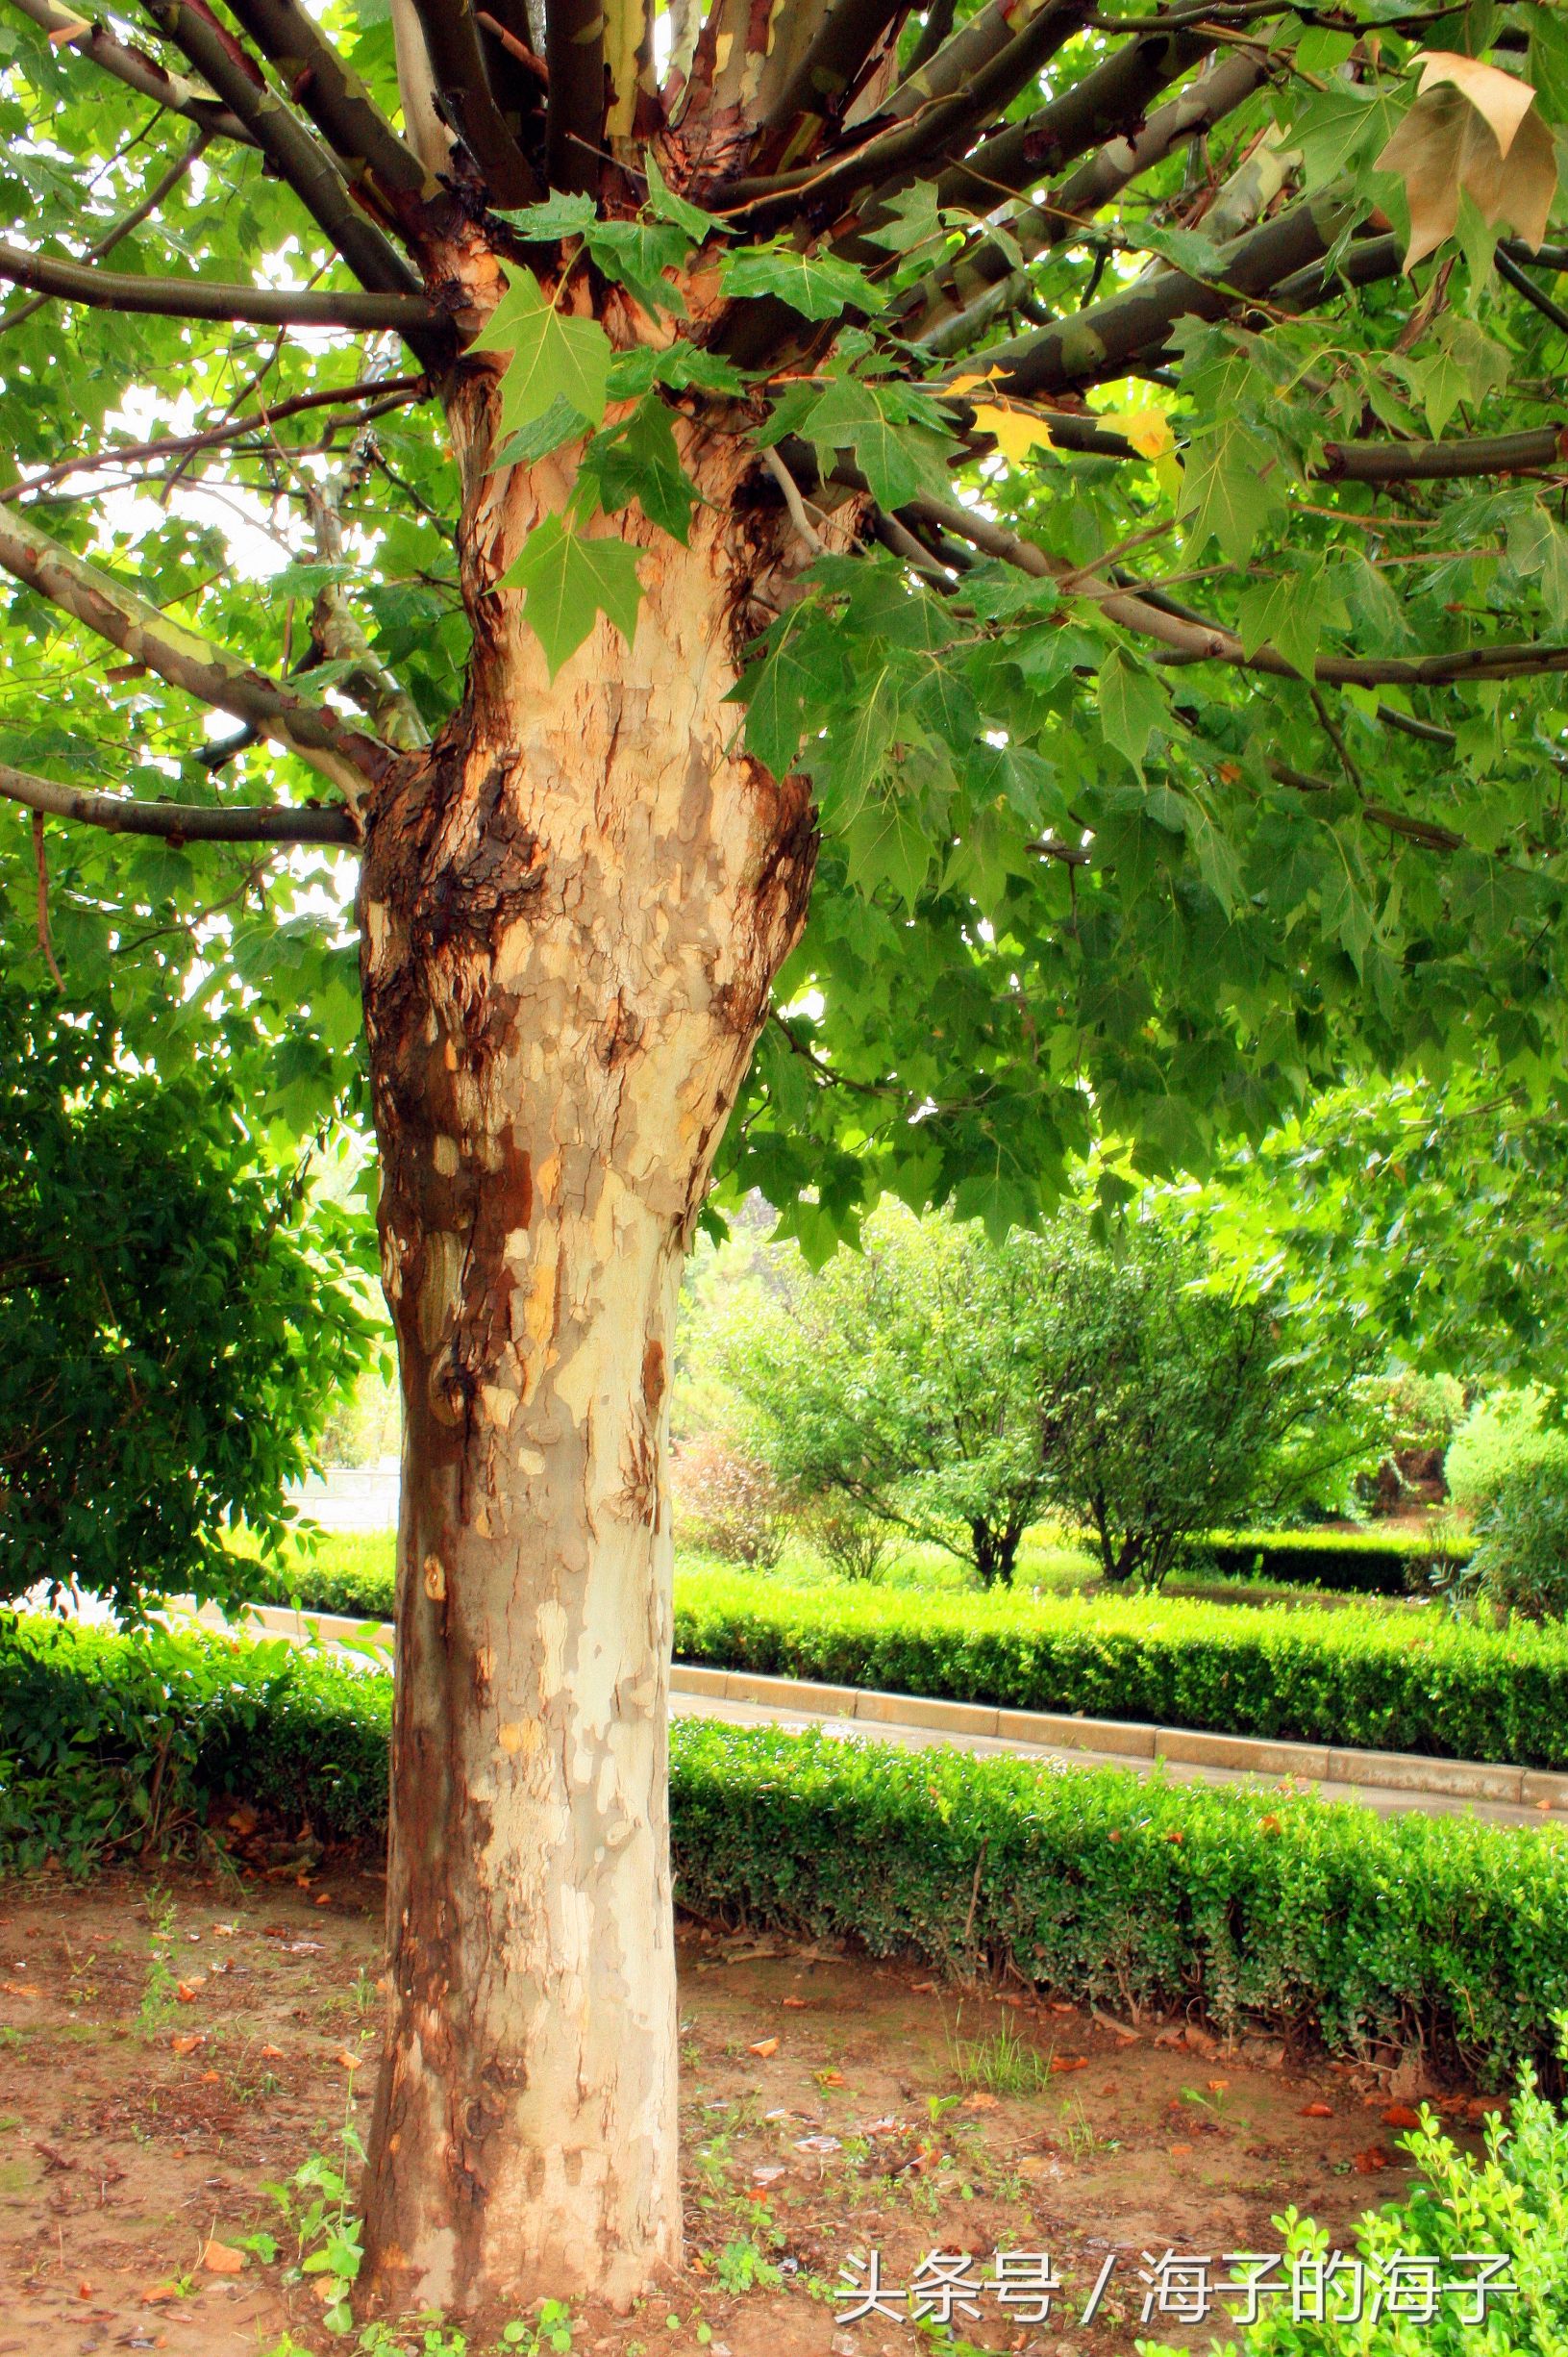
(1410,1683)
(1346,1561)
(1097,1883)
(1417,1682)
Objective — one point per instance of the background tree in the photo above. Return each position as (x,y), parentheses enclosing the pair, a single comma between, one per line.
(176,1320)
(904,1380)
(995,458)
(1175,1398)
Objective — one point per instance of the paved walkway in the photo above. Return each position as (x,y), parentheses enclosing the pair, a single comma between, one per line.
(1388,1800)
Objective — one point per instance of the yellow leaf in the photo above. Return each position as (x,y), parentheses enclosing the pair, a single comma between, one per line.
(1017,433)
(1500,99)
(1447,146)
(1148,429)
(967,384)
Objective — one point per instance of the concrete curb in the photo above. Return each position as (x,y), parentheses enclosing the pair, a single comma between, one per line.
(1405,1771)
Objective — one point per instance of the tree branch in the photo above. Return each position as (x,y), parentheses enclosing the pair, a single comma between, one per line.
(953,305)
(197,298)
(1114,99)
(136,69)
(177,821)
(825,74)
(296,155)
(574,52)
(456,62)
(332,96)
(123,228)
(187,660)
(1194,641)
(390,394)
(1102,342)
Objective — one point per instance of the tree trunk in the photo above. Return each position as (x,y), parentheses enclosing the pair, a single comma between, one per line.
(572,911)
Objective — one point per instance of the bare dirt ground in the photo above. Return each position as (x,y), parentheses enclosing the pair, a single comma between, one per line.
(167,2047)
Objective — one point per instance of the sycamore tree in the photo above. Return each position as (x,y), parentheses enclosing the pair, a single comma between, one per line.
(911,584)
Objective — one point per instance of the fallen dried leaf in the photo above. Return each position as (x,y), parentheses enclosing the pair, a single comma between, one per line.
(767,2173)
(764,2046)
(51,2159)
(818,2144)
(158,2292)
(828,2079)
(187,2041)
(223,1931)
(271,2054)
(323,1899)
(1217,2087)
(185,1992)
(980,2101)
(221,2259)
(923,1988)
(795,2005)
(1401,2115)
(1317,2111)
(1177,2148)
(1069,2061)
(1369,2163)
(212,2078)
(348,2061)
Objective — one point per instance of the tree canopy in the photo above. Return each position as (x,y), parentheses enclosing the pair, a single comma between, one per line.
(1175,401)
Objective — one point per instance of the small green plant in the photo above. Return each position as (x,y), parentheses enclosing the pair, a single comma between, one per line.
(1004,2064)
(314,2207)
(550,2330)
(742,2267)
(160,1982)
(938,2106)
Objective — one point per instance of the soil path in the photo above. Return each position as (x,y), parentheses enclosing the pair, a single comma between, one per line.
(166,2048)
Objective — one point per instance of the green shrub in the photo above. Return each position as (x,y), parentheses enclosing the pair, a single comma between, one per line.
(1350,1563)
(1407,1682)
(1094,1883)
(1521,1559)
(1512,2203)
(1500,1436)
(1416,1682)
(176,1316)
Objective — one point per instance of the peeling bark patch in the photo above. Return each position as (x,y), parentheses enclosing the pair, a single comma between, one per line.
(652,1376)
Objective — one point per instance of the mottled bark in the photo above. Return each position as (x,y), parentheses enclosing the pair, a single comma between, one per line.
(572,908)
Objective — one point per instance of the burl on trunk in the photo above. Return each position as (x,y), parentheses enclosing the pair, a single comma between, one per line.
(572,910)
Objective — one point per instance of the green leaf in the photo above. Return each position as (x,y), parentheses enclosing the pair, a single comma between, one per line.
(1227,490)
(553,359)
(638,460)
(636,254)
(887,844)
(1133,705)
(899,460)
(557,216)
(568,580)
(818,285)
(663,201)
(1288,613)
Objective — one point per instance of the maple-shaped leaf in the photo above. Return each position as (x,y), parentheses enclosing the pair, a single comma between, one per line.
(554,358)
(1473,131)
(568,580)
(1017,433)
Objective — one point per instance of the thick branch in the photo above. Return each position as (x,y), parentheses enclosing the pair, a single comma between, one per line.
(826,73)
(956,304)
(456,61)
(186,659)
(574,51)
(1193,641)
(136,69)
(1114,99)
(197,298)
(332,96)
(296,155)
(177,821)
(122,228)
(1102,343)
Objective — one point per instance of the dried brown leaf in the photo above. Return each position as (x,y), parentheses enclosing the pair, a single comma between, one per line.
(1447,147)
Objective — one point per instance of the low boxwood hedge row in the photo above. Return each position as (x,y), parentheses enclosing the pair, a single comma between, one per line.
(1407,1683)
(1256,1908)
(1348,1563)
(1417,1682)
